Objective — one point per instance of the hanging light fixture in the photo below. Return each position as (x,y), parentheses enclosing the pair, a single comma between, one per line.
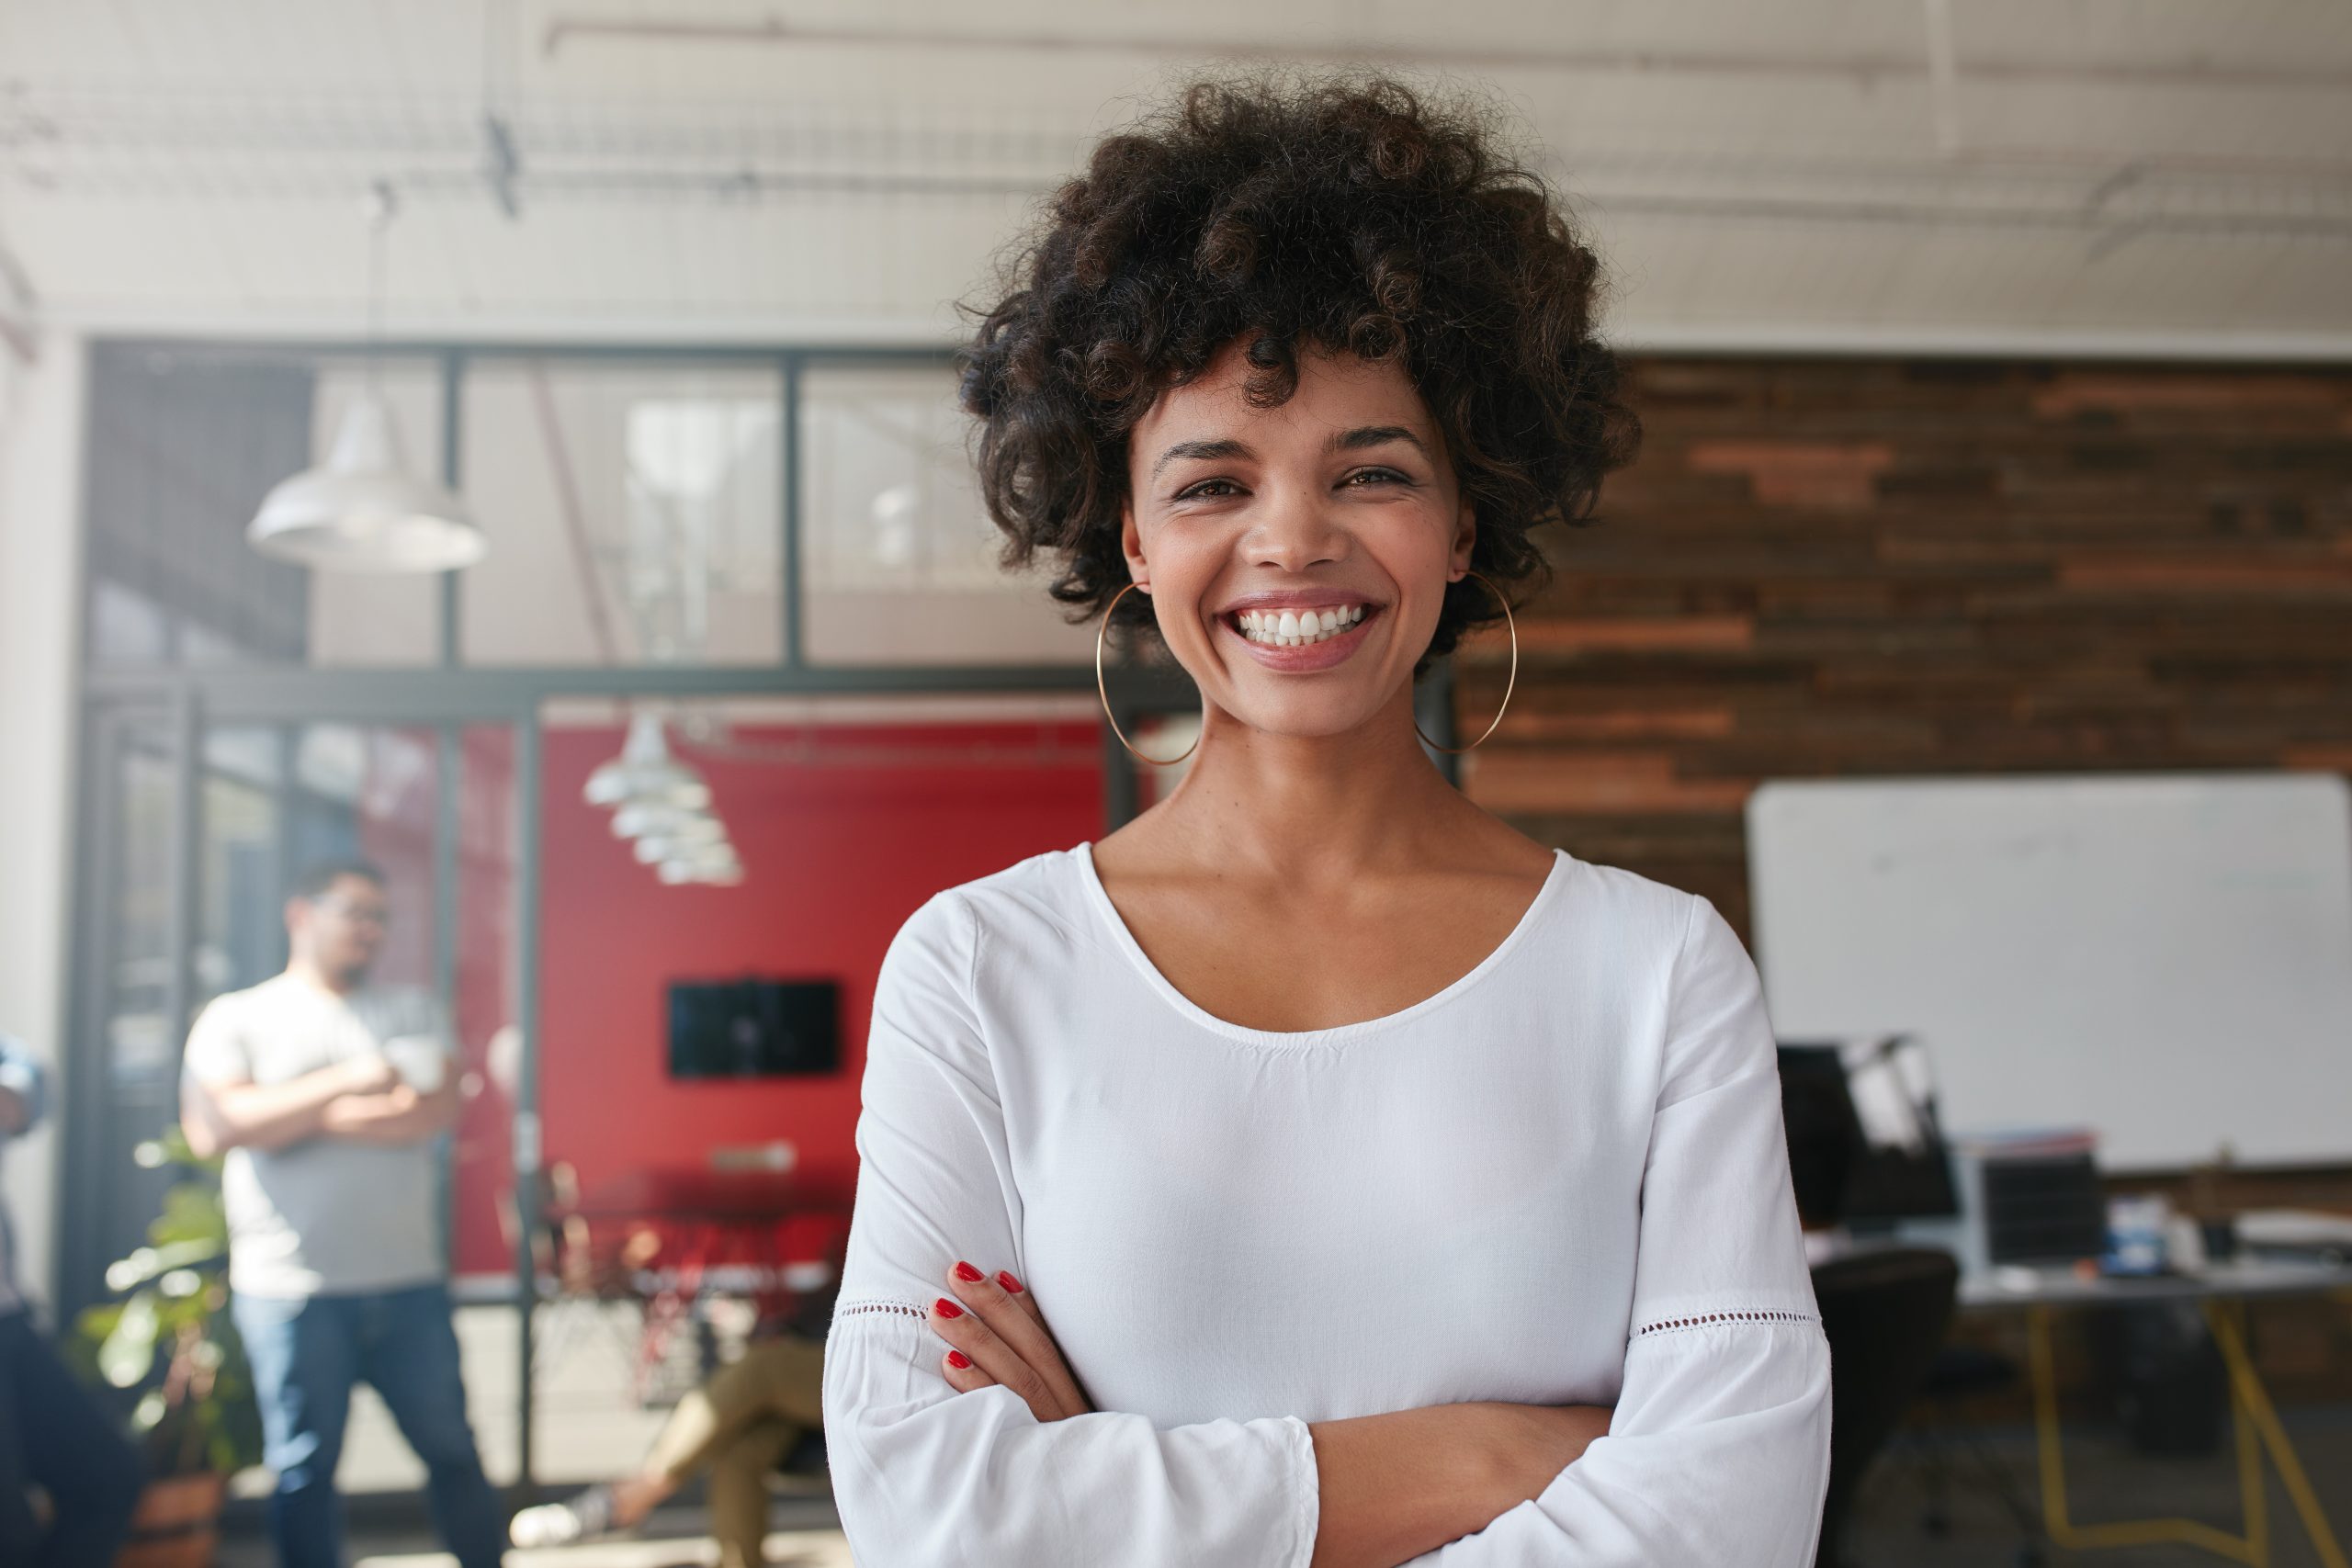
(362,510)
(715,864)
(651,821)
(645,774)
(654,848)
(665,806)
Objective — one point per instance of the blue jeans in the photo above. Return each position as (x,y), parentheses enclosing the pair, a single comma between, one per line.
(306,1353)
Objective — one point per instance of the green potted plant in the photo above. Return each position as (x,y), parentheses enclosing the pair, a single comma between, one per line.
(168,1334)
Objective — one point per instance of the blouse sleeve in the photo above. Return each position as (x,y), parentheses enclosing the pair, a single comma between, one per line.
(926,1477)
(1718,1451)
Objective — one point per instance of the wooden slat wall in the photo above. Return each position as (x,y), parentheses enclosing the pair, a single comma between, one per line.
(1883,566)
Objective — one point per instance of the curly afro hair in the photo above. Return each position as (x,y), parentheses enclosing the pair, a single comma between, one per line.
(1346,211)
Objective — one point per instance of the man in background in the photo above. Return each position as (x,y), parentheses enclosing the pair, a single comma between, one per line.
(52,1433)
(326,1093)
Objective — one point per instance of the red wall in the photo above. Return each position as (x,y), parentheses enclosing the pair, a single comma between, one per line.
(835,857)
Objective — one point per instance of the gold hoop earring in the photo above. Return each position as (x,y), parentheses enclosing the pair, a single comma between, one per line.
(1103,688)
(1512,623)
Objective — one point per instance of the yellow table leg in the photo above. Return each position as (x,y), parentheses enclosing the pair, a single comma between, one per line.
(2253,1549)
(2254,1496)
(2246,1393)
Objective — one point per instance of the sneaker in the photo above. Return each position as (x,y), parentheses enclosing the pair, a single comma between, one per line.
(560,1524)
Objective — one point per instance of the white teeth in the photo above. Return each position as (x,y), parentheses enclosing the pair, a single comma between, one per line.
(1293,628)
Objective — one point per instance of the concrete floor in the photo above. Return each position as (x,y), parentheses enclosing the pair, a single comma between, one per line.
(2105,1480)
(673,1539)
(590,1426)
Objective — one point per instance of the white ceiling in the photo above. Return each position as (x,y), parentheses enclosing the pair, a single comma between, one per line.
(2150,176)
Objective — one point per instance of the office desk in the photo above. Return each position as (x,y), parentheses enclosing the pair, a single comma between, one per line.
(2221,1291)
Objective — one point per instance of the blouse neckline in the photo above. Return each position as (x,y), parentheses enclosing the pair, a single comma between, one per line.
(1083,853)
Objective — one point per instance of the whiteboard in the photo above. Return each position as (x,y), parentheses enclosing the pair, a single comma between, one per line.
(2165,958)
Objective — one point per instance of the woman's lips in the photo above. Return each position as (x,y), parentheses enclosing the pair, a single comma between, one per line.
(1307,656)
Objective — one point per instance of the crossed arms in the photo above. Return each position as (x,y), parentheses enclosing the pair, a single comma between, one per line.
(362,1099)
(1716,1453)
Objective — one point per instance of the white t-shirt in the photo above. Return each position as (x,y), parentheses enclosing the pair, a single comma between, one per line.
(1561,1179)
(327,1216)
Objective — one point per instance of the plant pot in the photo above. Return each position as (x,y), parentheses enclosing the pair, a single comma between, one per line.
(177,1524)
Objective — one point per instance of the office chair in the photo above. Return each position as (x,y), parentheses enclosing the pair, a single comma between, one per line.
(1957,1372)
(1884,1313)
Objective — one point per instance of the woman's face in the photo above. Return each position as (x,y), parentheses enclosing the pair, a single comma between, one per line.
(1340,501)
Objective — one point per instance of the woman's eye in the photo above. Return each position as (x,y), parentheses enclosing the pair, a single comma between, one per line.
(1217,490)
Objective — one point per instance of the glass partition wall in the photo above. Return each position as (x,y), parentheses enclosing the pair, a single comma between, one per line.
(678,531)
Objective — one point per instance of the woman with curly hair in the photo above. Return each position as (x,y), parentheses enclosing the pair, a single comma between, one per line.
(1314,1172)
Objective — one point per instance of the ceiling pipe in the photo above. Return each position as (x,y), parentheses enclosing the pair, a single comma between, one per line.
(1943,76)
(772,29)
(66,126)
(19,310)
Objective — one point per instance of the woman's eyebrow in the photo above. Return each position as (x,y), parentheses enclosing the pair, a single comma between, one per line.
(1209,449)
(1375,436)
(1362,436)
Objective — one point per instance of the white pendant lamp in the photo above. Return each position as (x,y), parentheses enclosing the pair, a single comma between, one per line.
(656,847)
(645,772)
(362,510)
(715,864)
(665,806)
(649,820)
(653,849)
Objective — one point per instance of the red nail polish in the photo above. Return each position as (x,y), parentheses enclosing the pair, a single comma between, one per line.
(1004,1276)
(957,1360)
(947,1308)
(965,1272)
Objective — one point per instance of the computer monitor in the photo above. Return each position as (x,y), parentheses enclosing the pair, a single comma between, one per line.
(1864,1146)
(753,1028)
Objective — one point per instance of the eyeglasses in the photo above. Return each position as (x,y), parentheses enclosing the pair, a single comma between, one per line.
(370,914)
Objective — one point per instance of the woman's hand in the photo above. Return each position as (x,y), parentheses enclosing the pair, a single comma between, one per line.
(995,1327)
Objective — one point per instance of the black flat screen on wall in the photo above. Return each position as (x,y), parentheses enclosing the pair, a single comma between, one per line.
(753,1028)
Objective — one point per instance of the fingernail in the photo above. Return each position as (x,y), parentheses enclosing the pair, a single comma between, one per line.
(957,1360)
(966,1273)
(1004,1276)
(946,1308)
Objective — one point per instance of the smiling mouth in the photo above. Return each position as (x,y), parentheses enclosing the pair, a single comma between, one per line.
(1267,632)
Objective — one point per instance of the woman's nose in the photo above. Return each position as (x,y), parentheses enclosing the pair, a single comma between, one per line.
(1296,527)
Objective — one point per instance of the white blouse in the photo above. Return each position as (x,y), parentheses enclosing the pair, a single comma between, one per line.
(1561,1179)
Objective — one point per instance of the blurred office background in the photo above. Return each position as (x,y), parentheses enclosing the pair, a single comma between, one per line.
(1997,365)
